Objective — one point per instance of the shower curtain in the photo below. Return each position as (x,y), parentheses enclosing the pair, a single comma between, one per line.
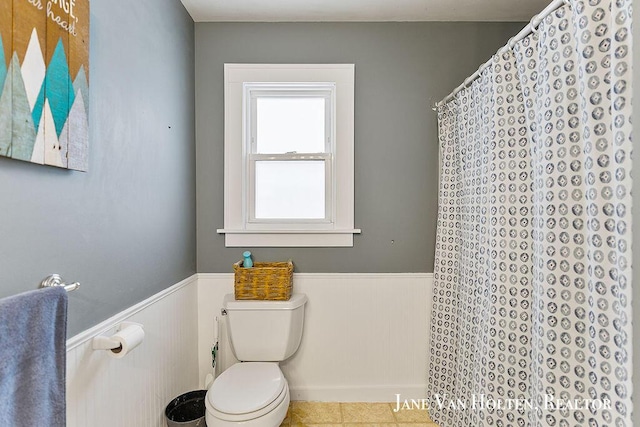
(531,321)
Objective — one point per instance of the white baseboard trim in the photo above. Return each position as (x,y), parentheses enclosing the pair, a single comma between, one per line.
(380,393)
(104,326)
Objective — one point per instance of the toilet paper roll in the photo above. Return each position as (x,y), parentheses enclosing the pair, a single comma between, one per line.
(129,338)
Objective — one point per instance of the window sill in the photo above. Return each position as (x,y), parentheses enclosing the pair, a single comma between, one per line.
(289,238)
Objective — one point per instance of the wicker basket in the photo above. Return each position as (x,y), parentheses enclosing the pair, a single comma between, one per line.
(264,281)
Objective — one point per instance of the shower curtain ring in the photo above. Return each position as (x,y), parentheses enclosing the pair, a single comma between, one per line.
(535,23)
(567,3)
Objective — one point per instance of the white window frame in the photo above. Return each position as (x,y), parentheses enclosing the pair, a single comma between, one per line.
(241,228)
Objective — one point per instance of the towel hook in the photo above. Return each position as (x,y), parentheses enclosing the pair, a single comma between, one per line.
(55,280)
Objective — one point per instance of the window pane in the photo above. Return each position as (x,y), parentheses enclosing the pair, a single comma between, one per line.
(290,190)
(290,124)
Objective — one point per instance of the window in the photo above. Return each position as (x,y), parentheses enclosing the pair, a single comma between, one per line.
(290,148)
(289,155)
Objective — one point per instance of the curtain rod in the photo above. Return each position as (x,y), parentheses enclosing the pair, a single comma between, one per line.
(530,28)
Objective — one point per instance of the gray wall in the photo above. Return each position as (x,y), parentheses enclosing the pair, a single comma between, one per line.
(401,70)
(125,229)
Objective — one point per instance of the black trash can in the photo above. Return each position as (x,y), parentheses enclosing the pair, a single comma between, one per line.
(187,410)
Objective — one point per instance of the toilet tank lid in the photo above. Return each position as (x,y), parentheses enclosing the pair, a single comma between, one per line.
(296,301)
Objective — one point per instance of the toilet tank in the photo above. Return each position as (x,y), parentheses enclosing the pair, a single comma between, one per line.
(265,331)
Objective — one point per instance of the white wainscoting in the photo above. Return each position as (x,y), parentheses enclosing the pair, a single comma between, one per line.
(365,339)
(134,391)
(365,335)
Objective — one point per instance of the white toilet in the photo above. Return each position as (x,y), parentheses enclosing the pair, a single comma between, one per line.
(255,392)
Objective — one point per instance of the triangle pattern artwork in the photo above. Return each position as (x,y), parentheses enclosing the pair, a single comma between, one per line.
(23,133)
(3,65)
(5,106)
(44,82)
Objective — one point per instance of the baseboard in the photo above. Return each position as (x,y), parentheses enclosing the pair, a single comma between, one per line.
(380,393)
(104,326)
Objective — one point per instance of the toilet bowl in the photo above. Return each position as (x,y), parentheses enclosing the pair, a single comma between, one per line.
(255,392)
(248,394)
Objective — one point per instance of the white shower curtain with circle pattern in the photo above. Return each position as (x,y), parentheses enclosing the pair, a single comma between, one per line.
(531,322)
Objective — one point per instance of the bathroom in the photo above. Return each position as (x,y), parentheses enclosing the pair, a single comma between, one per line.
(140,229)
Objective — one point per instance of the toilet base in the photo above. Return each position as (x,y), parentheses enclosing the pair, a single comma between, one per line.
(271,419)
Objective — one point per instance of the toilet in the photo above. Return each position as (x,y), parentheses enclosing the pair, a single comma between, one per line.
(255,391)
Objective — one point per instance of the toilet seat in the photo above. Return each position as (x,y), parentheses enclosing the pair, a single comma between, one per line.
(279,405)
(247,391)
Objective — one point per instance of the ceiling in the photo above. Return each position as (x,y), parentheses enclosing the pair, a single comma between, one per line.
(362,10)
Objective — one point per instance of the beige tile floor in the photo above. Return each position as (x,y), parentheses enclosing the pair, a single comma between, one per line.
(353,414)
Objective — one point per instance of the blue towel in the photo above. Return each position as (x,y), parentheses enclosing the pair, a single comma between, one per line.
(33,333)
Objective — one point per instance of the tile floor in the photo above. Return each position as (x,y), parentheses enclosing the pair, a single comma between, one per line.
(354,414)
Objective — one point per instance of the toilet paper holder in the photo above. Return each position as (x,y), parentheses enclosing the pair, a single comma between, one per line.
(107,343)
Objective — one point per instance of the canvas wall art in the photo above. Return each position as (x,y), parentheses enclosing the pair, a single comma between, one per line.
(44,82)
